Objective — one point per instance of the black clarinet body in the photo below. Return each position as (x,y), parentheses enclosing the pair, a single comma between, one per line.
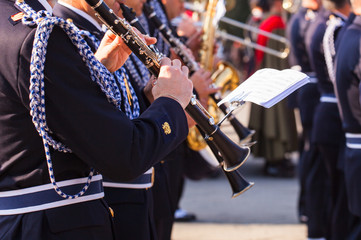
(130,16)
(233,155)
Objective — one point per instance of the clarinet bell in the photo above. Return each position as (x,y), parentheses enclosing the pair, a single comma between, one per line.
(238,184)
(247,136)
(233,155)
(248,144)
(234,160)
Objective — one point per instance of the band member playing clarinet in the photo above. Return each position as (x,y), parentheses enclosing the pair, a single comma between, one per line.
(64,123)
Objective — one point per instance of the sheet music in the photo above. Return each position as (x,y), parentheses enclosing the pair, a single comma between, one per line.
(267,86)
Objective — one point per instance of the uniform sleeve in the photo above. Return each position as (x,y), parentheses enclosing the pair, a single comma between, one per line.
(317,58)
(81,117)
(297,52)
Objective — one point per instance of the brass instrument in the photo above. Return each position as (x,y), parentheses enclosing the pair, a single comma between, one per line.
(233,155)
(208,38)
(224,76)
(281,54)
(289,5)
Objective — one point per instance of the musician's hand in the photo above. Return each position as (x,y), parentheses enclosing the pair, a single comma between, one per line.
(113,52)
(186,27)
(173,82)
(202,83)
(148,40)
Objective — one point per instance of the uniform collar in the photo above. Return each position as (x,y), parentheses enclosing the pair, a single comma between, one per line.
(351,18)
(82,14)
(357,20)
(46,5)
(339,15)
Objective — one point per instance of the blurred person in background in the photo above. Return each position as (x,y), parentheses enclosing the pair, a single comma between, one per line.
(276,132)
(259,11)
(120,148)
(131,201)
(347,85)
(234,52)
(327,133)
(307,97)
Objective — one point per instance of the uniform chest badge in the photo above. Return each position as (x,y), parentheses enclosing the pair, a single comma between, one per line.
(166,128)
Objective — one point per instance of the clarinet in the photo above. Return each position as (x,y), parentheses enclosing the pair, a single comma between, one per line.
(193,66)
(129,15)
(234,155)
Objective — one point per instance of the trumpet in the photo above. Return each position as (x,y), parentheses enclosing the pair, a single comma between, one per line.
(281,54)
(233,155)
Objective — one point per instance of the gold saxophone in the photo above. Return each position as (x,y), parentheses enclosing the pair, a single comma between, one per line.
(224,75)
(209,31)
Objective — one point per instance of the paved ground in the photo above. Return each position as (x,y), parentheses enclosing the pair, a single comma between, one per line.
(202,231)
(267,211)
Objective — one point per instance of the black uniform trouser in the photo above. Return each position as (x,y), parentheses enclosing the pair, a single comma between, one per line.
(339,215)
(355,232)
(316,194)
(307,99)
(343,216)
(164,205)
(303,170)
(82,221)
(169,176)
(353,179)
(133,213)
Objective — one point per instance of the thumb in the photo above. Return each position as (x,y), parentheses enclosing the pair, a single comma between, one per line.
(148,40)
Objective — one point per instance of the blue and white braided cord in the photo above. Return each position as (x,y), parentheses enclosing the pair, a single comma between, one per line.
(99,74)
(161,45)
(121,74)
(142,77)
(144,22)
(329,45)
